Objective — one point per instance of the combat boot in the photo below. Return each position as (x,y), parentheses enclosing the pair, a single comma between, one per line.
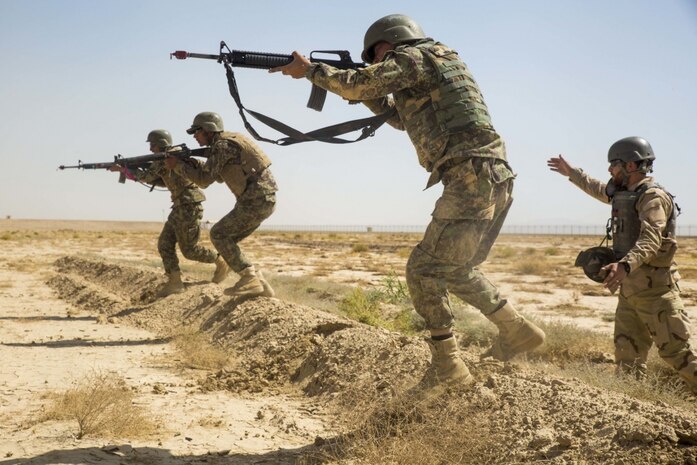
(221,270)
(174,285)
(516,334)
(447,369)
(249,284)
(268,290)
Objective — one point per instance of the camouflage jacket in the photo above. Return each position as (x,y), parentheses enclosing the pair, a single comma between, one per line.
(409,80)
(182,190)
(235,160)
(654,208)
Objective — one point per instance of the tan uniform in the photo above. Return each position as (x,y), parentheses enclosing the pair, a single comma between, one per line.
(649,309)
(238,162)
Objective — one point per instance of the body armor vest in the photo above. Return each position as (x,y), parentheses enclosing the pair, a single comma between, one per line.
(626,225)
(252,161)
(457,101)
(451,113)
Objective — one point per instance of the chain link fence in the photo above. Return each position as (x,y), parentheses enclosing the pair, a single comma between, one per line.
(535,229)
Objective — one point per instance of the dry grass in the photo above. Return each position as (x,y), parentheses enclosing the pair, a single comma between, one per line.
(195,350)
(568,343)
(661,384)
(102,405)
(359,247)
(409,431)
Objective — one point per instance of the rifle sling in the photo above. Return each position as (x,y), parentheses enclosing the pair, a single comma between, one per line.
(328,134)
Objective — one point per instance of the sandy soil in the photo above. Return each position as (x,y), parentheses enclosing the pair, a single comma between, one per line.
(293,364)
(46,345)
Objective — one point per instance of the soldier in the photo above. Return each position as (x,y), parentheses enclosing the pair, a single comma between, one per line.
(240,163)
(649,309)
(441,108)
(183,224)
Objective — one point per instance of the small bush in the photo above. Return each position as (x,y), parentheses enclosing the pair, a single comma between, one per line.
(532,267)
(359,247)
(362,306)
(395,290)
(102,405)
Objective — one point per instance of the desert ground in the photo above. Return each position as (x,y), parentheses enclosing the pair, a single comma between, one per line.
(96,369)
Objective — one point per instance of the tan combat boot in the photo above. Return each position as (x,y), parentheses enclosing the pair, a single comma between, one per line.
(516,334)
(249,284)
(221,270)
(447,369)
(268,290)
(174,285)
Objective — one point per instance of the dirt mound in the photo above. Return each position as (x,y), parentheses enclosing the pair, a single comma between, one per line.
(276,344)
(280,346)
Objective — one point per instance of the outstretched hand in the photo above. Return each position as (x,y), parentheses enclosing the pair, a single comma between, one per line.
(296,68)
(560,165)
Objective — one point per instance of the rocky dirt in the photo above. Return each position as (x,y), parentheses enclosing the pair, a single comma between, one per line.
(294,368)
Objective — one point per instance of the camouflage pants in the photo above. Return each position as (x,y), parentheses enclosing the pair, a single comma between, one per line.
(251,209)
(654,316)
(445,259)
(183,227)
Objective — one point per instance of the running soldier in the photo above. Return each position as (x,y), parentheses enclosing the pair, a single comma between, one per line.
(441,108)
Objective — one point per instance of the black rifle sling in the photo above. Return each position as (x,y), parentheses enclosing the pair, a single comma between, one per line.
(328,134)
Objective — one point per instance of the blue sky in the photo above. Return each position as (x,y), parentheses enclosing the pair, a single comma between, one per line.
(86,80)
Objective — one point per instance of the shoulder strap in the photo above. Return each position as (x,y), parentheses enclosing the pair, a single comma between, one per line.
(328,134)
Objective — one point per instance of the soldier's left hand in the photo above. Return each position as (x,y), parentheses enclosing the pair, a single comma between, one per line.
(615,275)
(296,68)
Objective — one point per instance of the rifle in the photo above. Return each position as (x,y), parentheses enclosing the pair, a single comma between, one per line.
(262,60)
(140,161)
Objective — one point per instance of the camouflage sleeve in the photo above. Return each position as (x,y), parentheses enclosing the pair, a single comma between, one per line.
(200,175)
(590,186)
(383,105)
(221,153)
(150,175)
(398,71)
(654,209)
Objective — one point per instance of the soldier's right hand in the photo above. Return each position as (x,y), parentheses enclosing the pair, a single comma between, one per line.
(560,165)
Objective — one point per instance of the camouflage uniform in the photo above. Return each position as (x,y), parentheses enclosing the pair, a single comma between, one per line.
(456,142)
(243,167)
(183,223)
(649,309)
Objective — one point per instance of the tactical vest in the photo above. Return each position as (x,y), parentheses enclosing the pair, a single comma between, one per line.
(626,225)
(252,161)
(451,115)
(457,101)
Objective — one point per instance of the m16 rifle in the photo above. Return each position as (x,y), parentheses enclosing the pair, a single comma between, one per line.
(262,60)
(180,151)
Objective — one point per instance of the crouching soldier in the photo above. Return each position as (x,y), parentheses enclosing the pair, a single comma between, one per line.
(238,162)
(183,223)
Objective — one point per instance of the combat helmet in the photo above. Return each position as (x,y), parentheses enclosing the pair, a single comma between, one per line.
(593,260)
(394,29)
(636,149)
(208,121)
(160,138)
